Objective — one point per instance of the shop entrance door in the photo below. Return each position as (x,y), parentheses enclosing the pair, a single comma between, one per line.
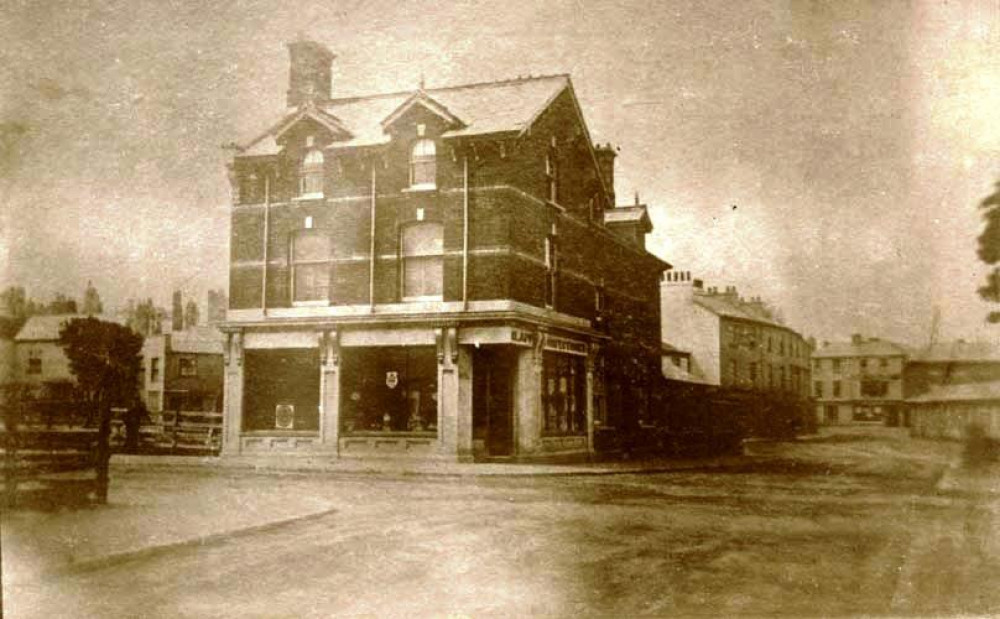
(492,400)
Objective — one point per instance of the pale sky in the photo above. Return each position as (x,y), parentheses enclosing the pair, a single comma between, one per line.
(853,138)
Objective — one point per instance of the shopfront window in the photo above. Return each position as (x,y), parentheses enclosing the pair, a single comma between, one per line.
(282,390)
(563,394)
(389,390)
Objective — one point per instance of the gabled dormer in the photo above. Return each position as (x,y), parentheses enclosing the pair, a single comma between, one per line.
(302,138)
(421,101)
(416,126)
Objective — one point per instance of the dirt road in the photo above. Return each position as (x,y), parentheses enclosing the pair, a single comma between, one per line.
(845,524)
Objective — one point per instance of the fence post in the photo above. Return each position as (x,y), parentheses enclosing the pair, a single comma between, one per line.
(103,454)
(176,427)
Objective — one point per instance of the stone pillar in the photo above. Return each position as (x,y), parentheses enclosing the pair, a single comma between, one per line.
(329,357)
(463,357)
(454,396)
(590,362)
(528,399)
(233,390)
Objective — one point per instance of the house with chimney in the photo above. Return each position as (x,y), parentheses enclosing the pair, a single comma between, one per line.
(859,381)
(732,342)
(433,273)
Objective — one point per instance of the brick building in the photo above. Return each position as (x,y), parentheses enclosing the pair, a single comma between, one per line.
(438,273)
(733,342)
(858,381)
(182,370)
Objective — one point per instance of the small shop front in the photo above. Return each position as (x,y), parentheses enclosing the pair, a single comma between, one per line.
(458,393)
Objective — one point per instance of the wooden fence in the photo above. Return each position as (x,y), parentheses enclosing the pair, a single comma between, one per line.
(175,432)
(55,458)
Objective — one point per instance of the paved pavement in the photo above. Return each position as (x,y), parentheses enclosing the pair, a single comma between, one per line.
(839,524)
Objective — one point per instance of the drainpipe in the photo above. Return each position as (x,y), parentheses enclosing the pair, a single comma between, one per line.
(267,223)
(465,233)
(371,248)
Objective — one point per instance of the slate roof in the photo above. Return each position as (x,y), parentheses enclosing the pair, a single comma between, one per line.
(197,340)
(483,108)
(629,214)
(730,307)
(44,328)
(949,352)
(969,392)
(870,347)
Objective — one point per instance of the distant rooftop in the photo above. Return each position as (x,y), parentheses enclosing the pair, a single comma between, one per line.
(861,347)
(47,327)
(731,306)
(958,351)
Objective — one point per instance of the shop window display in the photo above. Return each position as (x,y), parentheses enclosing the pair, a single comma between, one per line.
(563,395)
(282,390)
(389,390)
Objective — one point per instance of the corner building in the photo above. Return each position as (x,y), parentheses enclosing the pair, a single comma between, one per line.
(438,273)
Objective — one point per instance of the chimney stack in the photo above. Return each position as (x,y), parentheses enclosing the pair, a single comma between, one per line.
(856,338)
(308,72)
(606,162)
(177,313)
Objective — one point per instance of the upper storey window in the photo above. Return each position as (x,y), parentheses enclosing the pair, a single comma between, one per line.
(311,175)
(310,267)
(423,262)
(423,165)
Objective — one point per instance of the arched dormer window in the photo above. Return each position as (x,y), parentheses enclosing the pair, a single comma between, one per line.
(423,164)
(423,262)
(311,175)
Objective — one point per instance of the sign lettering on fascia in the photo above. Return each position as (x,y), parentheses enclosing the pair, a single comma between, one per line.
(558,344)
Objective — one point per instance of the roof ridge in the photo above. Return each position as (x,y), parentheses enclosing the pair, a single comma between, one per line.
(398,93)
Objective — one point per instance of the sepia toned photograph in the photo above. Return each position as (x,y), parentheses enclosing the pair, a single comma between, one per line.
(574,308)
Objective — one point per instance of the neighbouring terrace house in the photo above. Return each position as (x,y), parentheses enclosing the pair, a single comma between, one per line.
(438,273)
(182,370)
(859,381)
(732,342)
(40,363)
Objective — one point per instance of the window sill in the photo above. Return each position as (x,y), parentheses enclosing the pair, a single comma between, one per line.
(316,303)
(420,188)
(387,434)
(279,433)
(308,196)
(434,299)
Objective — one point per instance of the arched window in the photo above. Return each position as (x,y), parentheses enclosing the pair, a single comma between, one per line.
(423,262)
(423,164)
(310,267)
(311,175)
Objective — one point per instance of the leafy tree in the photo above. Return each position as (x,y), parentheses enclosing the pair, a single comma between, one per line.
(92,301)
(989,249)
(105,358)
(61,304)
(190,314)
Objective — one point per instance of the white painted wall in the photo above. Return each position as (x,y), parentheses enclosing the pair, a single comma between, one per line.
(692,328)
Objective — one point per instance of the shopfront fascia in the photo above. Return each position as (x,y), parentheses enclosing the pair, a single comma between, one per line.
(370,392)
